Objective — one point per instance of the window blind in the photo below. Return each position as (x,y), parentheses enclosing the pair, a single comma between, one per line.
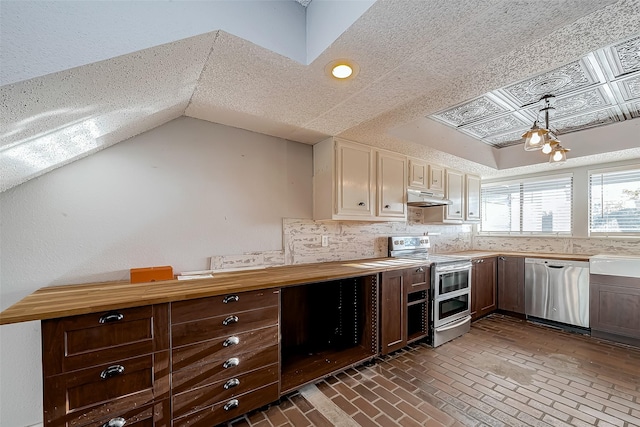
(614,201)
(536,206)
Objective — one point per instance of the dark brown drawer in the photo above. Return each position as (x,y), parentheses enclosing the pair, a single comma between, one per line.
(215,350)
(186,311)
(78,342)
(230,409)
(199,375)
(223,326)
(202,397)
(153,415)
(96,392)
(418,279)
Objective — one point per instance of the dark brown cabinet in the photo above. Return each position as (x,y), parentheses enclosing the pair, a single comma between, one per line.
(483,287)
(107,367)
(511,284)
(615,308)
(225,356)
(404,307)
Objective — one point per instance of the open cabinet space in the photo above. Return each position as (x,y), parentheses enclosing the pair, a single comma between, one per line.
(326,327)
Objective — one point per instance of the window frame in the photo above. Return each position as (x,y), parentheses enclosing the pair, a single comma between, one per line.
(604,234)
(521,182)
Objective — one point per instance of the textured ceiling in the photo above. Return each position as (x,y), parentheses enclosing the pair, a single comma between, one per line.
(601,88)
(416,58)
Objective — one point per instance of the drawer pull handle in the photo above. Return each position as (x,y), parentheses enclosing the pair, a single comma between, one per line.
(115,422)
(232,404)
(231,341)
(361,204)
(420,270)
(229,320)
(231,298)
(112,371)
(501,258)
(230,363)
(233,382)
(112,316)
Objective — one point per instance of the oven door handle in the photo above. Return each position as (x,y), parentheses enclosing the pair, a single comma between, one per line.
(455,325)
(453,267)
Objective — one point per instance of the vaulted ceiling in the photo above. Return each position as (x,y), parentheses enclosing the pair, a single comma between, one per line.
(77,80)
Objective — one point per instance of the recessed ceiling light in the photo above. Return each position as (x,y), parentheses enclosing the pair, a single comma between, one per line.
(342,69)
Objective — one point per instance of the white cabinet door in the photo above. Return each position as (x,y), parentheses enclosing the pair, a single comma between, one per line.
(355,180)
(392,189)
(454,188)
(436,179)
(418,174)
(472,192)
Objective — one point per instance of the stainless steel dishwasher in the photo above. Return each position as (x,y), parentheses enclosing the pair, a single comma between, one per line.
(557,290)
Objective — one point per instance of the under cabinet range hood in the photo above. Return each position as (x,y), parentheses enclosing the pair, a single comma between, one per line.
(425,199)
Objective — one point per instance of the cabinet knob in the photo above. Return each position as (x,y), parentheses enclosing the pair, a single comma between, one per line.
(112,371)
(233,382)
(470,213)
(229,320)
(232,404)
(457,212)
(230,298)
(230,363)
(115,422)
(420,270)
(231,341)
(362,204)
(387,206)
(112,316)
(501,258)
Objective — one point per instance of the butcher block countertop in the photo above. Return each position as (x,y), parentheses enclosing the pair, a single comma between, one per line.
(488,254)
(68,300)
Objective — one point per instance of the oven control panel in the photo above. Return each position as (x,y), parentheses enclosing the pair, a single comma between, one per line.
(408,242)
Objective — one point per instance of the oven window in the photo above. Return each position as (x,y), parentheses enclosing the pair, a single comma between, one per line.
(453,306)
(453,281)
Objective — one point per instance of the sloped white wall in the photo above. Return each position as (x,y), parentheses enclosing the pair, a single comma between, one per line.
(175,195)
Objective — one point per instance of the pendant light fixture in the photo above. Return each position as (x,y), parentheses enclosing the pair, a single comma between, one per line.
(543,138)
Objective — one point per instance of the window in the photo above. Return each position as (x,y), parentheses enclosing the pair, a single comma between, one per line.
(532,206)
(614,201)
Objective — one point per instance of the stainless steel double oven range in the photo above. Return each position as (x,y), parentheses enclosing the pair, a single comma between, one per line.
(450,313)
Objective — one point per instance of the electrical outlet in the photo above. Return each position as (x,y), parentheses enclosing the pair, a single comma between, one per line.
(325,241)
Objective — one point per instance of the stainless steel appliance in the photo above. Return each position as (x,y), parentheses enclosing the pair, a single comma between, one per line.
(425,199)
(450,314)
(557,290)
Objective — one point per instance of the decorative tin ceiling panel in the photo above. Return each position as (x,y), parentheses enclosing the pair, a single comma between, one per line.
(630,87)
(574,76)
(500,125)
(478,109)
(579,103)
(588,120)
(624,57)
(506,140)
(588,94)
(633,108)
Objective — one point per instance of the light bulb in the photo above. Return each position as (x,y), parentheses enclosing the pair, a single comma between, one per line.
(535,138)
(557,156)
(546,148)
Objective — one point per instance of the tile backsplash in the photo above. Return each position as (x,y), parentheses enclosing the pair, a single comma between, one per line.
(302,242)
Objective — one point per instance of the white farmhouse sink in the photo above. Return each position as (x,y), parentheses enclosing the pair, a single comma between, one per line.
(615,265)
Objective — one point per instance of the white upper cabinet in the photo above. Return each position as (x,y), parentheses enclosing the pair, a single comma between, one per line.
(472,196)
(436,179)
(454,186)
(392,190)
(356,182)
(418,174)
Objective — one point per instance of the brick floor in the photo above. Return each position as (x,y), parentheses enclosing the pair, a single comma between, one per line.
(505,372)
